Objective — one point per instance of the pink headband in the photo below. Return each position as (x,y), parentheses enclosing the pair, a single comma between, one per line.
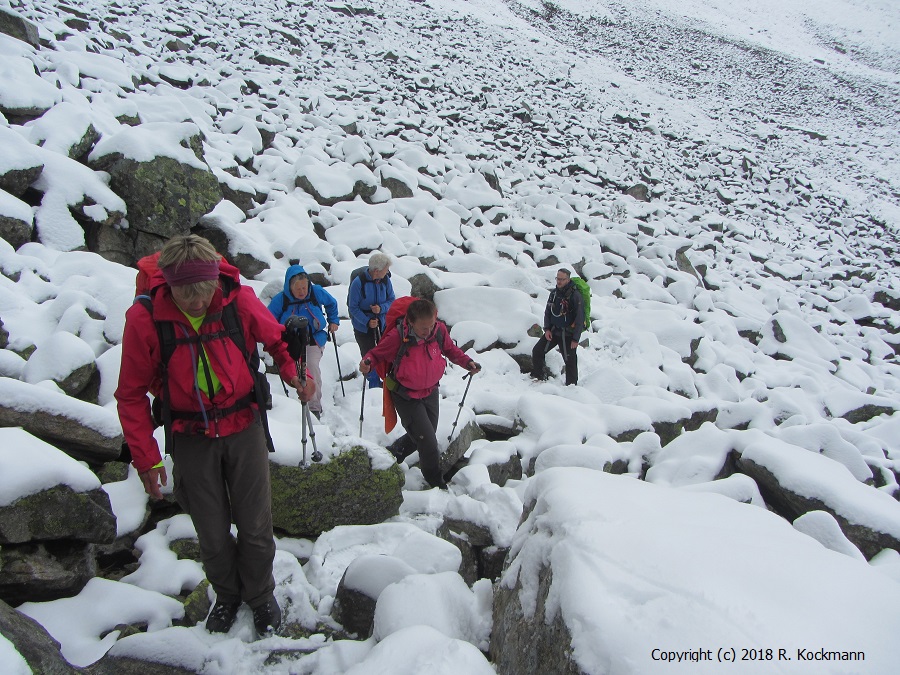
(190,272)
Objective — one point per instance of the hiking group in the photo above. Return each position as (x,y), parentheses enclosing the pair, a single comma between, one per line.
(190,342)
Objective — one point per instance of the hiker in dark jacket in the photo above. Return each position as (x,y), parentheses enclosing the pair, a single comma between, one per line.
(563,323)
(422,342)
(368,301)
(219,451)
(303,298)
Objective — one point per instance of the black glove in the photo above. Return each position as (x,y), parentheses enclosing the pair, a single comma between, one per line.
(296,336)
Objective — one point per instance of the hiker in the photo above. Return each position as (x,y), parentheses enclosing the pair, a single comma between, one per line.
(563,323)
(368,301)
(413,358)
(303,298)
(215,429)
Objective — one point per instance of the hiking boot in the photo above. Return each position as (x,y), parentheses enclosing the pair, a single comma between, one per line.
(222,616)
(267,618)
(402,448)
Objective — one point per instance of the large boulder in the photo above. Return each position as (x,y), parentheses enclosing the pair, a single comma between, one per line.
(33,643)
(45,571)
(784,473)
(59,513)
(14,25)
(165,194)
(83,430)
(347,490)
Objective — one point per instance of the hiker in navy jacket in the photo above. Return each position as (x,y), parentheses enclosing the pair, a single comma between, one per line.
(368,301)
(563,323)
(303,298)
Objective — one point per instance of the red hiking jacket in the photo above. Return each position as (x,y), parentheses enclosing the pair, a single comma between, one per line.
(140,371)
(422,366)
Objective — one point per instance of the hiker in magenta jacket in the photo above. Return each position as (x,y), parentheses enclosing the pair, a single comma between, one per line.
(422,342)
(218,444)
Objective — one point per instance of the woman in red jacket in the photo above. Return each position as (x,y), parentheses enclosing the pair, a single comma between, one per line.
(219,451)
(413,356)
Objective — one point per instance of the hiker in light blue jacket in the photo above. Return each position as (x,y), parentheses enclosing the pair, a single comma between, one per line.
(303,298)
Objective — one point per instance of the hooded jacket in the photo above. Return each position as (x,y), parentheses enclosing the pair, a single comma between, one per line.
(285,305)
(141,373)
(365,292)
(423,364)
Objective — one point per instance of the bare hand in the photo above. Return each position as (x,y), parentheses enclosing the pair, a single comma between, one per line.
(373,323)
(152,479)
(376,309)
(573,345)
(548,335)
(332,328)
(365,366)
(305,389)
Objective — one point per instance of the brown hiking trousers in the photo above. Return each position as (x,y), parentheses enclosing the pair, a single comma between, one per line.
(223,480)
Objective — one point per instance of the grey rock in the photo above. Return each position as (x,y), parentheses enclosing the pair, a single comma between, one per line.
(422,286)
(353,608)
(792,505)
(540,643)
(640,192)
(33,642)
(245,262)
(16,232)
(16,181)
(121,665)
(75,382)
(14,25)
(164,197)
(59,513)
(360,189)
(468,567)
(396,187)
(47,571)
(458,447)
(307,501)
(68,433)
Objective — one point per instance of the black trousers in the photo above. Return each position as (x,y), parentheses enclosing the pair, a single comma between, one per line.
(419,416)
(570,356)
(366,341)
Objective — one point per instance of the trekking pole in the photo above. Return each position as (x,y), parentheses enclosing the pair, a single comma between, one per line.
(338,359)
(459,412)
(307,419)
(362,403)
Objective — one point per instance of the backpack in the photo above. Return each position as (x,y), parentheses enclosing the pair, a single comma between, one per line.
(585,291)
(360,272)
(261,393)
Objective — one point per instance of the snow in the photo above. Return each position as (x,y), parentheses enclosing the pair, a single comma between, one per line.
(765,133)
(30,466)
(628,556)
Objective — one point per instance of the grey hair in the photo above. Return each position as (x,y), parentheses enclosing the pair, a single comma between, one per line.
(379,261)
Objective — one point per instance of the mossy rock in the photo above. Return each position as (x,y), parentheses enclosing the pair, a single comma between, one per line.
(307,501)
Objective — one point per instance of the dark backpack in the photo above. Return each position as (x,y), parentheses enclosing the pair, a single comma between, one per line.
(361,272)
(261,393)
